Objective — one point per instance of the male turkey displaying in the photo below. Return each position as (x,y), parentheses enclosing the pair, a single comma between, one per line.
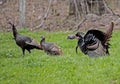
(24,42)
(94,42)
(50,48)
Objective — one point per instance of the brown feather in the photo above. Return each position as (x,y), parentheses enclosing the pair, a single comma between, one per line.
(108,34)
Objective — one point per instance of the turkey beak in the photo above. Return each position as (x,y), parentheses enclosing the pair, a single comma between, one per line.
(71,37)
(93,47)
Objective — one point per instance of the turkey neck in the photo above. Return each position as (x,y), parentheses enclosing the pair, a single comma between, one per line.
(14,31)
(42,41)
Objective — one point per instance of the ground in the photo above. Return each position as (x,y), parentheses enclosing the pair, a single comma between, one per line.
(69,68)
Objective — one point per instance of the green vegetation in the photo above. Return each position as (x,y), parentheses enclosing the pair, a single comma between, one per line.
(70,68)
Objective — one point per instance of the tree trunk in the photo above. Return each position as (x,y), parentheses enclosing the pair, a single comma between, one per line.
(71,8)
(22,13)
(98,7)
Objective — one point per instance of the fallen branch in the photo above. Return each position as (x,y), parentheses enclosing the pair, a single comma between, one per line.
(45,16)
(79,24)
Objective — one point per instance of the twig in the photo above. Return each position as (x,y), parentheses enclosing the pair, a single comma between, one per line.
(45,16)
(79,24)
(108,8)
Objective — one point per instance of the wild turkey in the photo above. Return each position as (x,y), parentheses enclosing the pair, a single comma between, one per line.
(94,42)
(24,42)
(50,48)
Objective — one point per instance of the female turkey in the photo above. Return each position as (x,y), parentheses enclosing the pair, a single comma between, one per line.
(24,42)
(50,48)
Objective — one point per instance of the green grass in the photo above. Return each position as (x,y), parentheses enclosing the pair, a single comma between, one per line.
(70,68)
